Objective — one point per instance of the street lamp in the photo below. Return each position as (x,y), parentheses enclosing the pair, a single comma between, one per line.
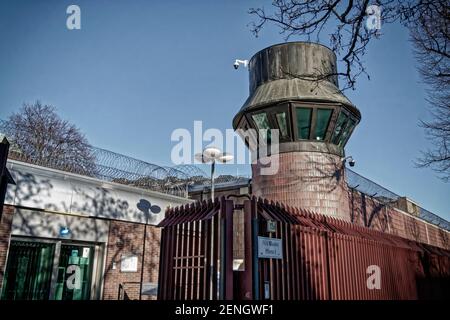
(213,155)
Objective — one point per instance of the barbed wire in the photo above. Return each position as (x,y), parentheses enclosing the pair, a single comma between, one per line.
(115,167)
(383,195)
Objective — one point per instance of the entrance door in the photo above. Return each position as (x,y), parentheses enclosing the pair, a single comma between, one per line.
(39,270)
(28,271)
(74,272)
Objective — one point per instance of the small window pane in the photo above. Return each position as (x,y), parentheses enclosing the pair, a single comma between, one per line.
(303,122)
(339,126)
(262,123)
(282,124)
(261,120)
(322,120)
(346,132)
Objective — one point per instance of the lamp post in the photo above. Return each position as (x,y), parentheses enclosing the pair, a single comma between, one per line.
(213,155)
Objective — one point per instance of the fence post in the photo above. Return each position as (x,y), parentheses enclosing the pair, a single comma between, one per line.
(4,175)
(327,262)
(255,231)
(229,210)
(226,249)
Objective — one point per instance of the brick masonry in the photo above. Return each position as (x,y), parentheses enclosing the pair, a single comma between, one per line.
(375,214)
(316,182)
(5,235)
(309,180)
(124,239)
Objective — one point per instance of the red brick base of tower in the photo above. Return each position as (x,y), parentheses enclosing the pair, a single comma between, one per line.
(310,180)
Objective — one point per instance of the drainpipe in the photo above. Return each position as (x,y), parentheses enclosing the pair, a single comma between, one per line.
(143,256)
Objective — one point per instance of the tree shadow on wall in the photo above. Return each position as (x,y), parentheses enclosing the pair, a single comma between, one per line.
(432,280)
(328,173)
(368,211)
(33,191)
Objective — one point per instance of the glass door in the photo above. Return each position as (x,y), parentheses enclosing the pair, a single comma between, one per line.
(28,271)
(74,272)
(37,270)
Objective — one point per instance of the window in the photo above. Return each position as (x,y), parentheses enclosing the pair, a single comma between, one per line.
(322,119)
(346,132)
(261,120)
(262,123)
(29,270)
(340,124)
(282,124)
(303,122)
(247,133)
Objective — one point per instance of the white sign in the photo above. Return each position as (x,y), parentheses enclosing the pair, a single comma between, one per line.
(86,252)
(129,263)
(266,290)
(271,226)
(270,248)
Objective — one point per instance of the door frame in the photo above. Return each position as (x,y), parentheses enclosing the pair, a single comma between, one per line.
(97,266)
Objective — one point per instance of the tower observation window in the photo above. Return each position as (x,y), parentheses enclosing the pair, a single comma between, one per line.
(262,123)
(282,124)
(303,122)
(346,132)
(340,124)
(322,120)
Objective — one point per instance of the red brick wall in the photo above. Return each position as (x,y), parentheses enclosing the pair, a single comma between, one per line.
(309,180)
(368,211)
(5,235)
(127,238)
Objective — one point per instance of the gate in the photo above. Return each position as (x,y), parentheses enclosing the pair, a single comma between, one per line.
(320,257)
(196,257)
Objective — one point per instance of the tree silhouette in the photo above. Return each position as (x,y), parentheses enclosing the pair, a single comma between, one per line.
(39,136)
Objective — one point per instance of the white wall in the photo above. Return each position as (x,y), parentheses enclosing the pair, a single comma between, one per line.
(52,190)
(40,224)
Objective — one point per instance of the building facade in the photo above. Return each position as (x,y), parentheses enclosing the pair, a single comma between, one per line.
(67,237)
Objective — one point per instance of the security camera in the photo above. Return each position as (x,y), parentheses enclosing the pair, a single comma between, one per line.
(238,62)
(351,163)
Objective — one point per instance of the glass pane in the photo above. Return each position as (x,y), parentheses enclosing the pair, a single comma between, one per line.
(339,126)
(261,120)
(346,133)
(74,273)
(303,122)
(282,124)
(262,123)
(322,120)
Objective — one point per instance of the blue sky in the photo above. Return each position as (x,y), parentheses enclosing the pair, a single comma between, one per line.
(137,70)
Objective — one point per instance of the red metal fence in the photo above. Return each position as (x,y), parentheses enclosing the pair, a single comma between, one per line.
(195,258)
(322,257)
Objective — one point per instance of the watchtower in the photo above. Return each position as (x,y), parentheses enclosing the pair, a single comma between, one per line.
(294,88)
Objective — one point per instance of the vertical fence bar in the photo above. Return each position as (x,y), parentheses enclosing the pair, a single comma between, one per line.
(255,232)
(226,259)
(215,257)
(248,251)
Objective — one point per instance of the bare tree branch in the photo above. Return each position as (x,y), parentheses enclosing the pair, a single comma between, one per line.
(343,23)
(430,31)
(38,135)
